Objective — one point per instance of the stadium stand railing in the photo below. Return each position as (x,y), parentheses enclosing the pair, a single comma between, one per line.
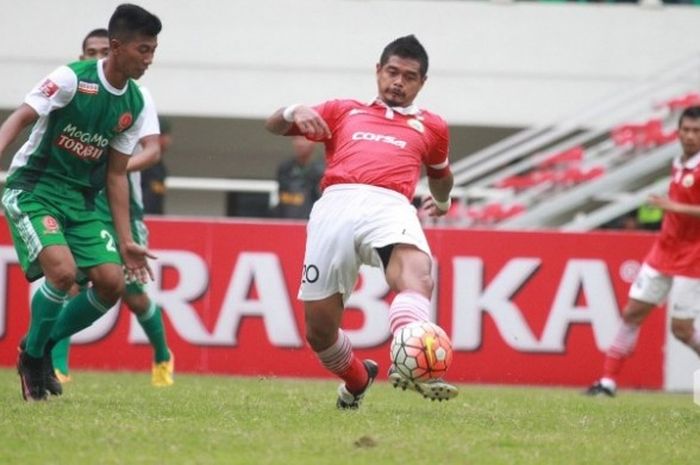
(583,171)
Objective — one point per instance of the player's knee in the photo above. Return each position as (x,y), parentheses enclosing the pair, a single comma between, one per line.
(137,303)
(109,288)
(62,278)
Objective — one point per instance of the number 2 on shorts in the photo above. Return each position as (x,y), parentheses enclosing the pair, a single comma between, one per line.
(104,234)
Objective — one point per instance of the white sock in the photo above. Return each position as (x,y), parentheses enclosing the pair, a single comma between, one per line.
(625,340)
(407,307)
(337,357)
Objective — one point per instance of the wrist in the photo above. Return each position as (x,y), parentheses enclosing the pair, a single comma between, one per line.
(443,206)
(288,113)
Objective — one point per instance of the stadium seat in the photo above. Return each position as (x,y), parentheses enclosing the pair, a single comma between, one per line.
(571,155)
(642,135)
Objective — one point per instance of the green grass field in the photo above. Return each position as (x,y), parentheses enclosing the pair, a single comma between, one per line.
(107,418)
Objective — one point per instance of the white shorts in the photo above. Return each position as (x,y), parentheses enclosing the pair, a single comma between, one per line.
(347,224)
(654,287)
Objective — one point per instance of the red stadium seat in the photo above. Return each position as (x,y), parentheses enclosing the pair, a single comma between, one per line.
(680,103)
(644,135)
(574,154)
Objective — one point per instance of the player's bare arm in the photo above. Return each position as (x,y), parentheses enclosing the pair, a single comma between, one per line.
(307,120)
(669,205)
(149,155)
(134,256)
(438,203)
(22,117)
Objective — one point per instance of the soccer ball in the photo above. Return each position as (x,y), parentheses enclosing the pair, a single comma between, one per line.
(421,351)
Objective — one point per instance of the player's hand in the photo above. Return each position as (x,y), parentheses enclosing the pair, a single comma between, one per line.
(663,203)
(431,209)
(311,124)
(135,258)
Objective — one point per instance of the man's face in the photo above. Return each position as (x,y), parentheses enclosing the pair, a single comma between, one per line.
(399,81)
(135,56)
(689,135)
(95,48)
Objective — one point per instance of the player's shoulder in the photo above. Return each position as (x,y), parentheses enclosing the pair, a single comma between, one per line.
(432,120)
(83,67)
(344,105)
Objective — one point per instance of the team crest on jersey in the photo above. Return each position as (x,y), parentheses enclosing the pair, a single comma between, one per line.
(688,180)
(48,88)
(124,121)
(50,225)
(416,124)
(89,88)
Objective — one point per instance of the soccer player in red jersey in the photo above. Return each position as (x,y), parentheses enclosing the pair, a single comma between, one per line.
(672,266)
(374,154)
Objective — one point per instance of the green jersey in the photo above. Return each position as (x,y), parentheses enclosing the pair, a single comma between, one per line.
(81,115)
(149,127)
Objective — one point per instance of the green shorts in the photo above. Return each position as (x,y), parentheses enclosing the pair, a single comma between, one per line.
(43,217)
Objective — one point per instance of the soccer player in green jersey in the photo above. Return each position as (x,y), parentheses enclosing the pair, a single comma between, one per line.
(148,314)
(86,119)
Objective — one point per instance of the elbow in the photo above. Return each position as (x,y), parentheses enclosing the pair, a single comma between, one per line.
(270,125)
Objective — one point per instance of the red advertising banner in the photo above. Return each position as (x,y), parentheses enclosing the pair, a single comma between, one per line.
(520,307)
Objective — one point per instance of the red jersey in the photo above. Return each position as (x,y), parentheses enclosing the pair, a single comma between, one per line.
(376,145)
(677,249)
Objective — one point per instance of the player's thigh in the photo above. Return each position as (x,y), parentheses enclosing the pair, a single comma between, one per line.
(330,262)
(391,222)
(96,251)
(34,225)
(58,266)
(409,268)
(684,298)
(650,286)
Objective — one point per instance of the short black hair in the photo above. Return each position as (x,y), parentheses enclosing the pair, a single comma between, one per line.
(406,47)
(129,20)
(690,113)
(99,32)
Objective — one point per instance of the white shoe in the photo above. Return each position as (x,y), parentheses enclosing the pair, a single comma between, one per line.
(433,389)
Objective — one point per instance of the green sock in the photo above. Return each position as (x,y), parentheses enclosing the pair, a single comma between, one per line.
(152,324)
(79,313)
(46,307)
(59,355)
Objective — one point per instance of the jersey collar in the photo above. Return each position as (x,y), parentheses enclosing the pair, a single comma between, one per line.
(691,163)
(103,79)
(411,110)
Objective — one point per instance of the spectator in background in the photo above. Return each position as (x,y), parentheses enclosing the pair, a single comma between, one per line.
(299,180)
(649,217)
(153,178)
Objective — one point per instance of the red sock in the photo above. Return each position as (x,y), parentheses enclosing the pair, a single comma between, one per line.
(622,346)
(612,366)
(339,359)
(355,377)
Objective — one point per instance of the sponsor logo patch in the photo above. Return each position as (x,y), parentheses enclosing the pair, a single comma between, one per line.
(48,88)
(50,225)
(361,135)
(89,88)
